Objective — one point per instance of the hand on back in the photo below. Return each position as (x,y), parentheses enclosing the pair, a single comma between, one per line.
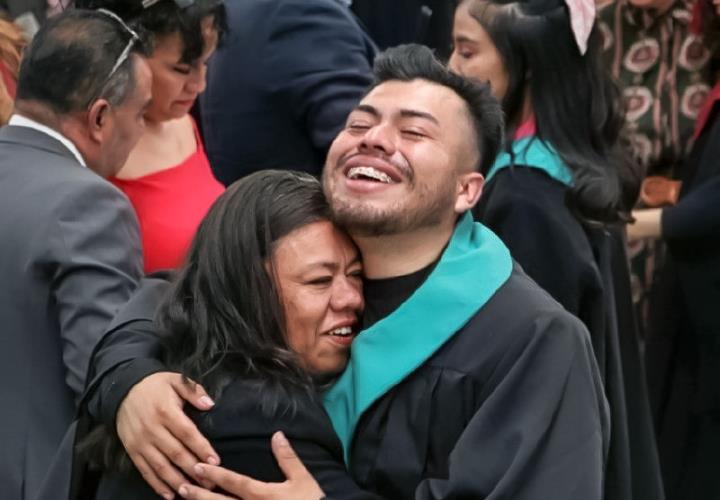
(161,440)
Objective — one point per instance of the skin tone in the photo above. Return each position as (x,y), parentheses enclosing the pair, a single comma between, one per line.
(410,131)
(474,53)
(647,224)
(417,133)
(475,56)
(169,137)
(104,134)
(318,271)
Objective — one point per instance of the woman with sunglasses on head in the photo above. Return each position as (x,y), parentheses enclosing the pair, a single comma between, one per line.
(558,196)
(167,176)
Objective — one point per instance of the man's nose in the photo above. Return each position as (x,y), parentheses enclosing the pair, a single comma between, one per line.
(381,137)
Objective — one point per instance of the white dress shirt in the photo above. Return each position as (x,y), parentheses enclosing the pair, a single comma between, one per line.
(22,121)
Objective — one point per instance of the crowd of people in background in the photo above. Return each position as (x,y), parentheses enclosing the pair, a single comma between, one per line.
(420,249)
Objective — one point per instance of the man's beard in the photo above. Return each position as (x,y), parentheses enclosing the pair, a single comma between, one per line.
(424,208)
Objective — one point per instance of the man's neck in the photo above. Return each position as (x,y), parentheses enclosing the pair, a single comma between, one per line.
(401,254)
(40,114)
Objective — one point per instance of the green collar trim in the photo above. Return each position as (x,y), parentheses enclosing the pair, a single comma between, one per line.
(533,152)
(472,268)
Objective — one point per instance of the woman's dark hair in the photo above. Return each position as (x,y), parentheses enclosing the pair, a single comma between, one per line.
(576,104)
(410,62)
(165,17)
(223,317)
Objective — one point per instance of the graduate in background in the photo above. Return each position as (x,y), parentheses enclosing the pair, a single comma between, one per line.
(683,342)
(555,195)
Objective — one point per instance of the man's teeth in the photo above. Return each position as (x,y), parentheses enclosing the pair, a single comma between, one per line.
(369,172)
(342,332)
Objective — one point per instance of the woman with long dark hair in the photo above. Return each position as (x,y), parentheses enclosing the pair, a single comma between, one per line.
(167,176)
(261,314)
(559,193)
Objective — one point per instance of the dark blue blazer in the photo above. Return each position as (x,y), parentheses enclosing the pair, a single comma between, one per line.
(282,85)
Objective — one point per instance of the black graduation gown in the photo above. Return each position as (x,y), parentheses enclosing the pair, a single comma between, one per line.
(586,270)
(510,407)
(395,22)
(683,342)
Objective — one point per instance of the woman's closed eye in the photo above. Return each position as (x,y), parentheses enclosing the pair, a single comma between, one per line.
(319,281)
(183,69)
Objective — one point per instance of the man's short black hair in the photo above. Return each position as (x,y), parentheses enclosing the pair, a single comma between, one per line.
(413,62)
(69,63)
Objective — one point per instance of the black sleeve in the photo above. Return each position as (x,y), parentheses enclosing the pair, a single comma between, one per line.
(240,432)
(324,83)
(696,215)
(544,427)
(127,353)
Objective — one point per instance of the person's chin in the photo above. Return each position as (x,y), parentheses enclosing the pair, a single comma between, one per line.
(329,370)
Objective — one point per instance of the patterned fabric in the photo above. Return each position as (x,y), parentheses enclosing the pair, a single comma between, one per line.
(666,74)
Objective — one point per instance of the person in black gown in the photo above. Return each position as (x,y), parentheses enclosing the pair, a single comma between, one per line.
(557,196)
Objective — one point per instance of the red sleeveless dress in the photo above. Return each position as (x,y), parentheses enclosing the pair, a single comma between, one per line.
(170,204)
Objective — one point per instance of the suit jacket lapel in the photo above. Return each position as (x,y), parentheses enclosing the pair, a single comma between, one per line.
(30,137)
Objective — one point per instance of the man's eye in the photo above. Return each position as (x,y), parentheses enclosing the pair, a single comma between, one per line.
(358,126)
(413,133)
(183,70)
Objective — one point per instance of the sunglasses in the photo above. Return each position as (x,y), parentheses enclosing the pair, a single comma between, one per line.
(134,38)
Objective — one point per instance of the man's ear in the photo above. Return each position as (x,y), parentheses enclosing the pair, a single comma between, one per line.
(98,118)
(470,188)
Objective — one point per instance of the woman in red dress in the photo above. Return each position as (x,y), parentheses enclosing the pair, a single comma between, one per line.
(11,46)
(167,176)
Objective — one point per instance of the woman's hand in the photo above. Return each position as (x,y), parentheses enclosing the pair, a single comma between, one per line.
(159,437)
(299,485)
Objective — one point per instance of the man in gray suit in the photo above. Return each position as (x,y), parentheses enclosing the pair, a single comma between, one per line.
(70,253)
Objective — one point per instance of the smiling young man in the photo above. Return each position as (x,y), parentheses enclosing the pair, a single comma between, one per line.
(467,380)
